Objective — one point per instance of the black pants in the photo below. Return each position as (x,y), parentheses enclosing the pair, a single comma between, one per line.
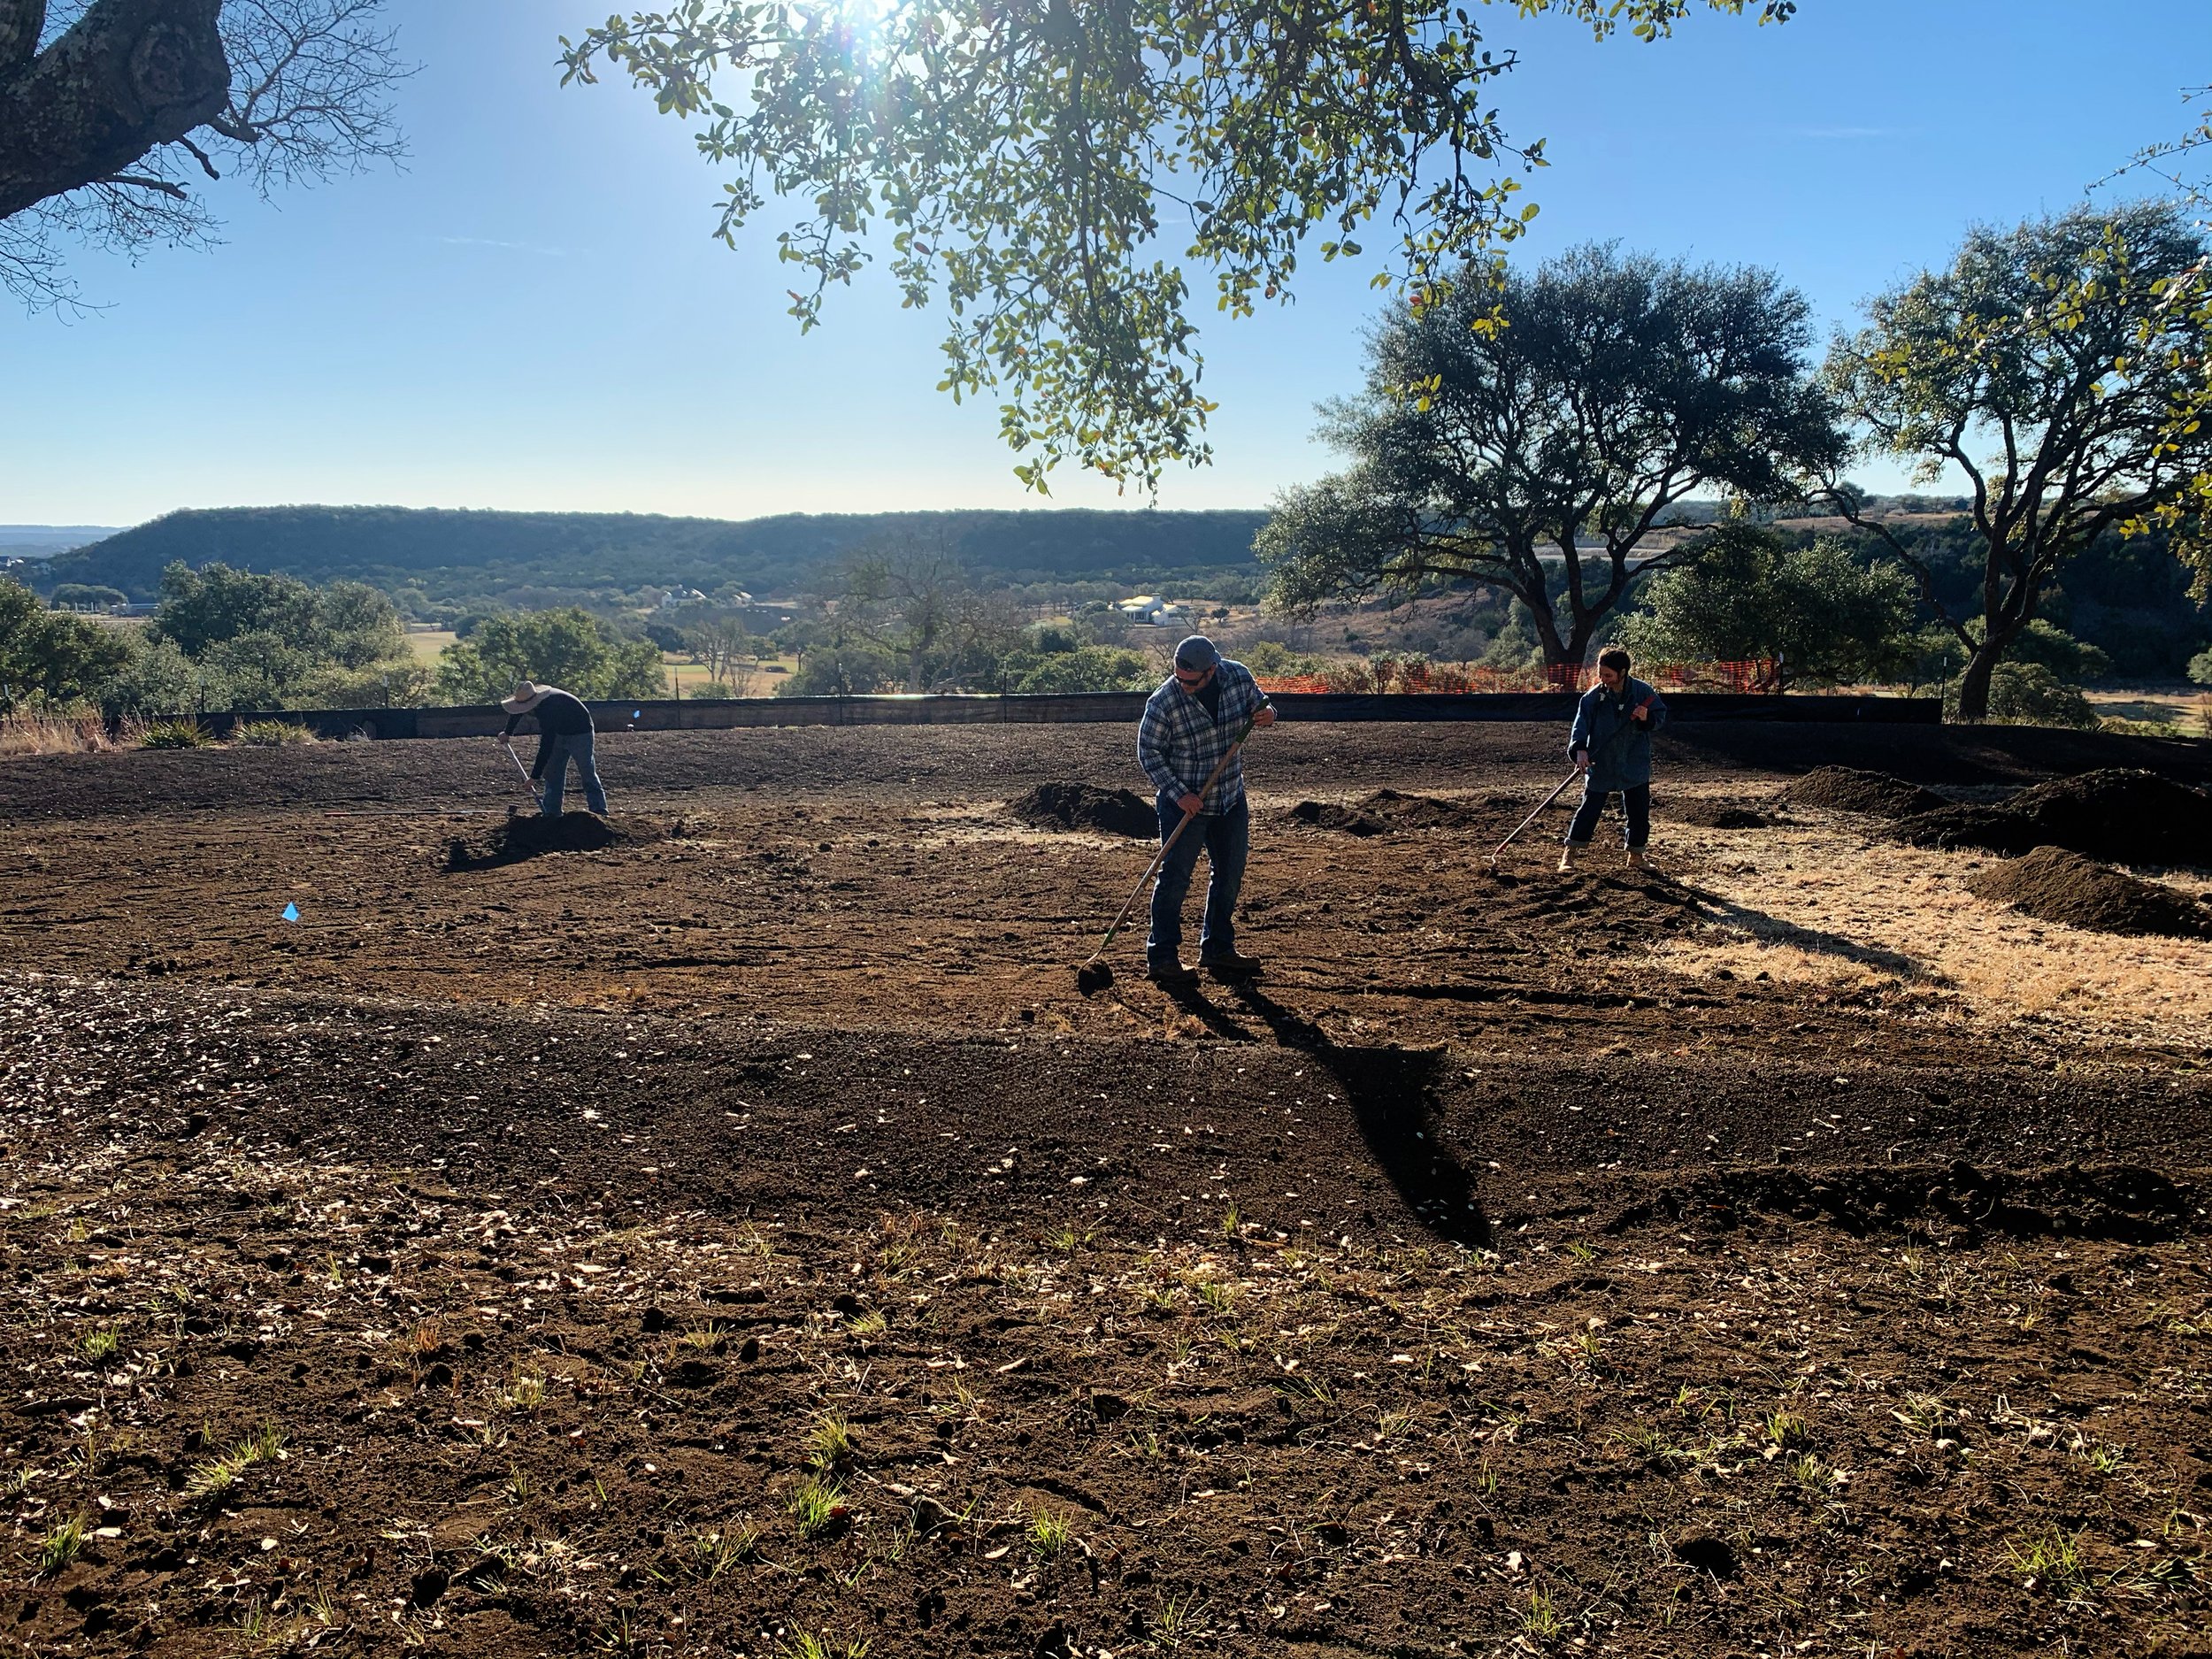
(1635,801)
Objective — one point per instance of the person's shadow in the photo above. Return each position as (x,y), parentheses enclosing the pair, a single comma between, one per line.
(1391,1093)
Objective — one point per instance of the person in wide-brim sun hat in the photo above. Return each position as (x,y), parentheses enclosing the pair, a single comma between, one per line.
(565,733)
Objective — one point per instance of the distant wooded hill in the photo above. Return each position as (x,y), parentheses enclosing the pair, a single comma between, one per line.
(458,556)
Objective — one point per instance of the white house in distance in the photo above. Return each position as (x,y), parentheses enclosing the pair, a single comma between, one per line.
(1150,610)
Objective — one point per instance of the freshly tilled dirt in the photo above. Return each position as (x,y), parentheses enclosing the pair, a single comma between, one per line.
(2053,885)
(1388,811)
(489,1263)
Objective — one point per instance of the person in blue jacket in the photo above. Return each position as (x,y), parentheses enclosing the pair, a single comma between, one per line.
(1611,743)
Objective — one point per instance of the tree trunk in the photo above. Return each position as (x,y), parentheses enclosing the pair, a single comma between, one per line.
(1974,683)
(129,76)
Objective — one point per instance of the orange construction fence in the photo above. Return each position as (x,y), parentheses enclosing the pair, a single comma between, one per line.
(1387,676)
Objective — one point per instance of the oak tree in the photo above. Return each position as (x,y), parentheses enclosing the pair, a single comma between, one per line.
(1529,439)
(2065,369)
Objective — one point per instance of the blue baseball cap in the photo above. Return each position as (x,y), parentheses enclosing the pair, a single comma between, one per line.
(1197,654)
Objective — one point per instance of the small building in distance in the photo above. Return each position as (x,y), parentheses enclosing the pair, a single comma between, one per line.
(1152,611)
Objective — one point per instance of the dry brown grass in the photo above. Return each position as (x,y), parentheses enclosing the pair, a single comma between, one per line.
(1820,902)
(45,732)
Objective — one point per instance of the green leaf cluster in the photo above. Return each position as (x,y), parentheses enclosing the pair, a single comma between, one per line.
(1746,594)
(569,648)
(236,639)
(1044,171)
(51,657)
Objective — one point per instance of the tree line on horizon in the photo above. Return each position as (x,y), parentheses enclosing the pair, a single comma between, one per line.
(1511,418)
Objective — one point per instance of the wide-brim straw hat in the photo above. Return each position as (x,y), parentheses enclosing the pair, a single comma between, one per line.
(526,697)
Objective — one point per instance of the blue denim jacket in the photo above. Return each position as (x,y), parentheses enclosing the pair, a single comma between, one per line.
(1178,741)
(1619,759)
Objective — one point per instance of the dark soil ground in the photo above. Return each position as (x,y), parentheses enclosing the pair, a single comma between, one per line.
(740,1238)
(1388,809)
(2057,886)
(2135,817)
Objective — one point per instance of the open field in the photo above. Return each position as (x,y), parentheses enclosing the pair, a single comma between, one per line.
(428,644)
(743,1239)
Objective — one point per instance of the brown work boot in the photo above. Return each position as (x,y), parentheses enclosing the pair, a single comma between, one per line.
(1567,857)
(1636,858)
(1231,966)
(1171,976)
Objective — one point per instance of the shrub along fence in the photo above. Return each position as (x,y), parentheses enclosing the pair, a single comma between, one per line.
(1391,674)
(1067,708)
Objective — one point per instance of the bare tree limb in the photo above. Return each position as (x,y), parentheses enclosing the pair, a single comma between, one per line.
(101,127)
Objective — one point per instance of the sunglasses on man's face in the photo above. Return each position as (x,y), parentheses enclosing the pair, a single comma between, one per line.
(1192,676)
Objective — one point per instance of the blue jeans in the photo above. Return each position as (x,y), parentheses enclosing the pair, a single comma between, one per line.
(1635,806)
(577,748)
(1226,838)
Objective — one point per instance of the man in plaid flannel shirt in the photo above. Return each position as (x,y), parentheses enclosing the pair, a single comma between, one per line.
(1188,725)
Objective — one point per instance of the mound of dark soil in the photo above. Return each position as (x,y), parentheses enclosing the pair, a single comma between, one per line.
(1386,810)
(1876,794)
(1718,815)
(2053,885)
(1082,806)
(522,837)
(2130,817)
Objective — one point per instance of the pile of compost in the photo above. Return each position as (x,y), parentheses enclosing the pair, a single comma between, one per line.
(1874,794)
(526,836)
(1082,806)
(1387,810)
(2053,885)
(2126,816)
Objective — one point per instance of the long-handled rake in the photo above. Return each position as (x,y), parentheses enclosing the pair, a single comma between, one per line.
(1097,975)
(1532,817)
(523,773)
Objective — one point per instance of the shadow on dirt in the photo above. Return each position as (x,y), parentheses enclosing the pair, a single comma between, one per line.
(1957,1202)
(1772,930)
(526,836)
(1391,1093)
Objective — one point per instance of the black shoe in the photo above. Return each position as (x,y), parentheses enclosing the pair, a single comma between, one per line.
(1171,975)
(1233,966)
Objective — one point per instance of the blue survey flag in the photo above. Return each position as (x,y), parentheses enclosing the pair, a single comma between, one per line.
(291,912)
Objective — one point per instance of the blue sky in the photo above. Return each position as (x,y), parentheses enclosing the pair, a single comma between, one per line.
(533,314)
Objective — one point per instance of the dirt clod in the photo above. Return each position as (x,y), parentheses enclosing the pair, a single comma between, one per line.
(1876,794)
(2130,816)
(1082,806)
(524,837)
(2053,885)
